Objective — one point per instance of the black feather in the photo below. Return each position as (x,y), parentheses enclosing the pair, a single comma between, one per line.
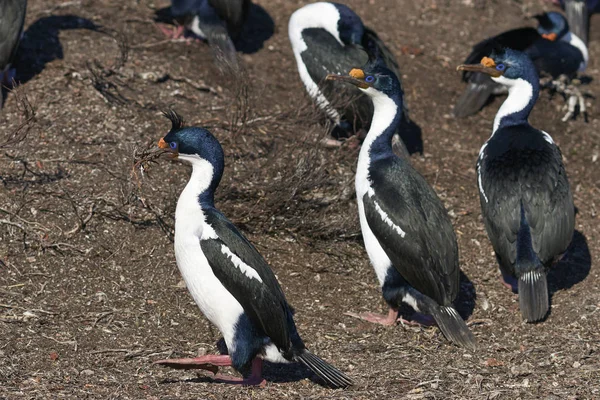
(326,371)
(177,121)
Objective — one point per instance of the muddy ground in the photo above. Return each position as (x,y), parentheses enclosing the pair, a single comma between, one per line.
(90,293)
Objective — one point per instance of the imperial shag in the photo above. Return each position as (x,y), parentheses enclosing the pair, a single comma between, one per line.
(525,197)
(407,232)
(554,50)
(12,18)
(227,277)
(219,22)
(578,14)
(329,38)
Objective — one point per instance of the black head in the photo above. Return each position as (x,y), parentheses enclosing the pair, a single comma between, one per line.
(350,26)
(374,78)
(506,66)
(552,25)
(193,145)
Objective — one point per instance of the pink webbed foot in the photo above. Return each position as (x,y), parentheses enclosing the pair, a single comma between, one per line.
(386,320)
(172,32)
(509,281)
(212,363)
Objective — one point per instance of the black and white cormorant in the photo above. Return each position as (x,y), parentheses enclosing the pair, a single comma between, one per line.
(554,50)
(407,232)
(578,14)
(525,197)
(219,22)
(12,18)
(229,280)
(329,38)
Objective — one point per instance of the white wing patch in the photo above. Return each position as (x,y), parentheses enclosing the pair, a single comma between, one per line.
(479,180)
(547,137)
(386,218)
(242,266)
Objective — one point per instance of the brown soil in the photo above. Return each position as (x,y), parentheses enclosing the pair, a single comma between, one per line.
(90,293)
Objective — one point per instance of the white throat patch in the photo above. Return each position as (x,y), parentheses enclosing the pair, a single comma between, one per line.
(520,93)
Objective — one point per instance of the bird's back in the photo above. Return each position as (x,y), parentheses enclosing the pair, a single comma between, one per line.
(522,166)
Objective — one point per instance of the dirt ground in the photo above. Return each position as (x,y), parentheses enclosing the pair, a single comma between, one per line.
(90,293)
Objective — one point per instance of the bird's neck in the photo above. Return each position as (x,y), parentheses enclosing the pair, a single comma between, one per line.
(522,95)
(386,117)
(200,189)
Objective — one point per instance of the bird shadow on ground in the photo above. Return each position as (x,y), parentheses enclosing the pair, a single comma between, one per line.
(573,268)
(258,28)
(41,45)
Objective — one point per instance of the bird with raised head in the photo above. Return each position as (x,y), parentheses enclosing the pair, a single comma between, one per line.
(406,229)
(230,281)
(526,201)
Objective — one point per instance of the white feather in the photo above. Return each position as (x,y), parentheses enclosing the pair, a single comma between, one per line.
(215,302)
(317,15)
(242,266)
(520,93)
(194,26)
(479,178)
(384,112)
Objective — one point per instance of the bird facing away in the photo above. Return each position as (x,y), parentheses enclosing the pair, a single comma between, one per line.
(12,18)
(229,280)
(219,22)
(407,232)
(525,197)
(329,38)
(554,50)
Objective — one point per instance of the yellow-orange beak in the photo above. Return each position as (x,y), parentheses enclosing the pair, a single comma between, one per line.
(165,146)
(550,36)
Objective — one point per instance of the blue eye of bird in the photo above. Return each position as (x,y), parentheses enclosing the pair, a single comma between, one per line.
(500,67)
(370,78)
(173,145)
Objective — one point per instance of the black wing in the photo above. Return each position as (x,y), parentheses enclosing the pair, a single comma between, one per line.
(325,55)
(262,299)
(12,17)
(372,42)
(525,168)
(427,255)
(233,12)
(555,58)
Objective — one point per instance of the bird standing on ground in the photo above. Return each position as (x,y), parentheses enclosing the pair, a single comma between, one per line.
(12,18)
(329,38)
(219,22)
(555,51)
(526,201)
(227,277)
(407,232)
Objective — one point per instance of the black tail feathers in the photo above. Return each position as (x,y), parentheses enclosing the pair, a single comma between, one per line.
(454,327)
(327,372)
(533,295)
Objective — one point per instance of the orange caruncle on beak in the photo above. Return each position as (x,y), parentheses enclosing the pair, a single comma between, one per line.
(488,62)
(162,144)
(357,73)
(550,36)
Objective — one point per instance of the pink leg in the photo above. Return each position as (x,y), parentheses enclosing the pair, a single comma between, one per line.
(388,320)
(212,363)
(172,32)
(508,281)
